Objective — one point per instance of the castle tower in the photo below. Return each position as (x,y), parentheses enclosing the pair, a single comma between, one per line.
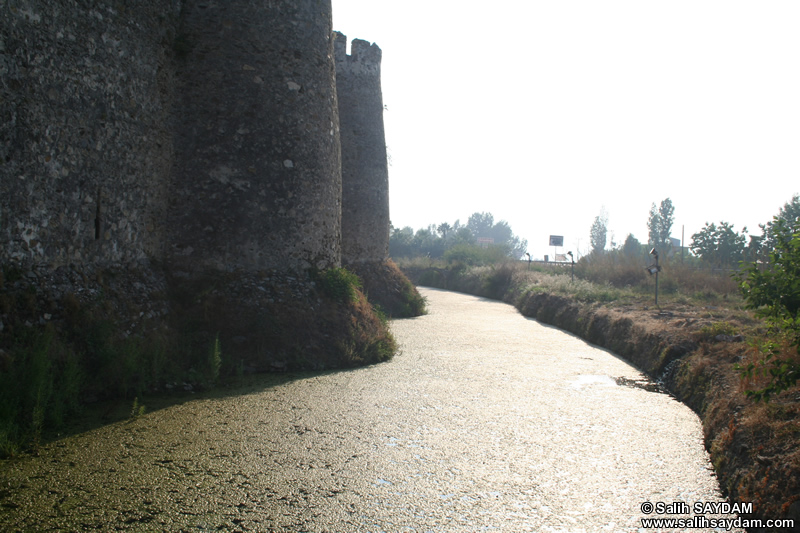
(365,180)
(257,179)
(365,174)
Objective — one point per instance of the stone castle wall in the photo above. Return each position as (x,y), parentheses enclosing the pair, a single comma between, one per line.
(257,176)
(85,136)
(201,133)
(365,174)
(205,134)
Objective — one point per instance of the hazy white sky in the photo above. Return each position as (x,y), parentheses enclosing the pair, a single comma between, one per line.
(544,112)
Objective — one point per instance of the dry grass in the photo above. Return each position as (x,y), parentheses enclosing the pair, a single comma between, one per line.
(389,289)
(676,277)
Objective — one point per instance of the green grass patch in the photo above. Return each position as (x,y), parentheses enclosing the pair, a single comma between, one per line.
(339,284)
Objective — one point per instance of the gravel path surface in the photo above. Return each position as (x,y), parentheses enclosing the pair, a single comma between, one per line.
(485,421)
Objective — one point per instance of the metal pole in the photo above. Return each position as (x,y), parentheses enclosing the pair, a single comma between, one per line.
(657,280)
(683,230)
(572,258)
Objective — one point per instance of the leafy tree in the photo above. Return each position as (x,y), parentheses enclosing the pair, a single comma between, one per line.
(761,246)
(774,293)
(598,235)
(473,255)
(435,240)
(483,225)
(401,242)
(517,247)
(462,236)
(719,245)
(659,224)
(631,247)
(427,242)
(444,228)
(480,224)
(504,237)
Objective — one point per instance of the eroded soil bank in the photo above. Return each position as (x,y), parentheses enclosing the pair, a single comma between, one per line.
(753,447)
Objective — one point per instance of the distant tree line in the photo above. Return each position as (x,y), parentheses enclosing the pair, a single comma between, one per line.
(659,225)
(720,245)
(717,245)
(480,240)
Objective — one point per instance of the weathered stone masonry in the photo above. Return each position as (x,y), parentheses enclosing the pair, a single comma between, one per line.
(257,181)
(85,136)
(365,174)
(92,154)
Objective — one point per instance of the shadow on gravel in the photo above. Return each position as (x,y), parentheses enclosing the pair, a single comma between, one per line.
(100,414)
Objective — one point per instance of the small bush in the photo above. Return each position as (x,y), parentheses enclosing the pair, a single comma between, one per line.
(39,389)
(770,368)
(473,255)
(498,280)
(710,332)
(365,337)
(385,285)
(214,361)
(137,409)
(613,269)
(432,278)
(339,284)
(773,292)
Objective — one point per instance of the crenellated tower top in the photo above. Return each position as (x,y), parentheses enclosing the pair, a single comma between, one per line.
(365,174)
(364,56)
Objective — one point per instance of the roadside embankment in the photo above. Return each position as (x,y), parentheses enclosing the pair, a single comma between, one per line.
(692,352)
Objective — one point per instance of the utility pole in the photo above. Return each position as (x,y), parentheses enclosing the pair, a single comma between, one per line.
(655,269)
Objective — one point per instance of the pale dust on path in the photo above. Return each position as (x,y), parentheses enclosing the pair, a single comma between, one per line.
(486,420)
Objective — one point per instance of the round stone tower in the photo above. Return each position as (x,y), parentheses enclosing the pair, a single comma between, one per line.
(257,174)
(365,174)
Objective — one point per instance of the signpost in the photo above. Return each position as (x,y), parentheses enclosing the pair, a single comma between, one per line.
(556,241)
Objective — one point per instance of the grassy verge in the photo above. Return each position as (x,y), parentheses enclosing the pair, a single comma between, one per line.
(693,342)
(389,289)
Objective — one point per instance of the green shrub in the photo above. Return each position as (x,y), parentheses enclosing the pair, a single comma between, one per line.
(614,269)
(137,409)
(214,361)
(40,388)
(339,284)
(432,278)
(498,280)
(473,255)
(709,332)
(774,293)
